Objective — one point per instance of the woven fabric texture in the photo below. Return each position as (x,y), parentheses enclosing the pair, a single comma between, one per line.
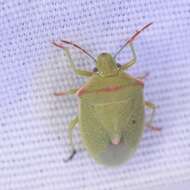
(33,122)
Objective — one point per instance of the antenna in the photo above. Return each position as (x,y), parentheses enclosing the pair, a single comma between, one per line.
(74,45)
(132,38)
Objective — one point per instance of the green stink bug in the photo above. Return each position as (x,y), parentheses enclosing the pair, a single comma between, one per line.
(111,109)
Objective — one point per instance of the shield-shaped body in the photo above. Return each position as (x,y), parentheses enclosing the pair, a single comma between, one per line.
(111,117)
(112,104)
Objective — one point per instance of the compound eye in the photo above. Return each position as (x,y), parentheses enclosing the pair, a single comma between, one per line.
(118,65)
(95,70)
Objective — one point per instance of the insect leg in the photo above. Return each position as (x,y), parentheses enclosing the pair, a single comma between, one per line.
(77,71)
(143,76)
(69,92)
(151,106)
(140,79)
(70,131)
(132,61)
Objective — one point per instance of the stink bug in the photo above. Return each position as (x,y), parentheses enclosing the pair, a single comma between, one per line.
(111,113)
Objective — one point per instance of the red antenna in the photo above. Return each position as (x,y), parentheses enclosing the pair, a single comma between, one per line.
(74,45)
(132,38)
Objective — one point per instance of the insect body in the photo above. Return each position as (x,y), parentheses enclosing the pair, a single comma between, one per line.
(111,114)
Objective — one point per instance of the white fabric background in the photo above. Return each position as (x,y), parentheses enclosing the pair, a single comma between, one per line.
(33,122)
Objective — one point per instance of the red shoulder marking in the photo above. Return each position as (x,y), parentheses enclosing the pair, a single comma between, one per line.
(82,90)
(110,88)
(141,82)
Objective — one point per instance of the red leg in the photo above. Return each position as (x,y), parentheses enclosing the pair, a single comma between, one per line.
(152,128)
